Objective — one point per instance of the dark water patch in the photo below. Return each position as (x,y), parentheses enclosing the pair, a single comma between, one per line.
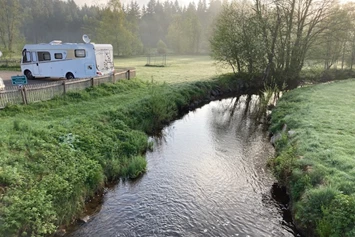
(206,176)
(279,194)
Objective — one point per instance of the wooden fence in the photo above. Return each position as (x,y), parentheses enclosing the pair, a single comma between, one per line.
(46,91)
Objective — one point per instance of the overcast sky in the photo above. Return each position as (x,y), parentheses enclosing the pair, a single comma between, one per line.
(141,2)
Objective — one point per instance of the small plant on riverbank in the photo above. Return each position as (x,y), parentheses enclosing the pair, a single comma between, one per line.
(136,167)
(267,97)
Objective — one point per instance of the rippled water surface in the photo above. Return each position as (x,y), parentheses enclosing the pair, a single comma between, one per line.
(206,176)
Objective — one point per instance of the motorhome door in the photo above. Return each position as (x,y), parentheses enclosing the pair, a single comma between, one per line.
(35,67)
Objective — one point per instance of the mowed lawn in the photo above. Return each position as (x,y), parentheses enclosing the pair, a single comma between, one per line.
(178,69)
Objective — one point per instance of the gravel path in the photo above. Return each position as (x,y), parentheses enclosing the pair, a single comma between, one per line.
(6,75)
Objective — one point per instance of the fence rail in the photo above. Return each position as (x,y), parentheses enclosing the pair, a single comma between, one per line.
(46,91)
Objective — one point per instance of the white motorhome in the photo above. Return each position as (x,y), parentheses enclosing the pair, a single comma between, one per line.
(67,60)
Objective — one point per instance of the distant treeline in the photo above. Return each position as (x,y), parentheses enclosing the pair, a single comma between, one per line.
(132,29)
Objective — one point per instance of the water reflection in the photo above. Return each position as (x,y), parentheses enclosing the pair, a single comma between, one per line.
(206,177)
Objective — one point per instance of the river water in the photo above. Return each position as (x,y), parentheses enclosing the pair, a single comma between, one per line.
(206,176)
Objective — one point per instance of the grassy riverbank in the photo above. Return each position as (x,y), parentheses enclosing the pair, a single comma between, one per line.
(56,154)
(316,160)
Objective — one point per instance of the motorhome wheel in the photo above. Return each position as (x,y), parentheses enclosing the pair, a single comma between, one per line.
(69,75)
(28,74)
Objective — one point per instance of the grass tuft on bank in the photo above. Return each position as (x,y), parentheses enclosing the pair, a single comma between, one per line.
(56,154)
(316,161)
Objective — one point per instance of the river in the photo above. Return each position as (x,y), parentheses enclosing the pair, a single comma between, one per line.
(206,176)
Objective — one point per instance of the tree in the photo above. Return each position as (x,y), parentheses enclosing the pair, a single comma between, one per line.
(348,51)
(331,46)
(150,28)
(114,29)
(185,31)
(236,40)
(285,32)
(289,33)
(10,19)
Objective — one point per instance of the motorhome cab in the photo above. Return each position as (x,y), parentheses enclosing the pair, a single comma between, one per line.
(67,60)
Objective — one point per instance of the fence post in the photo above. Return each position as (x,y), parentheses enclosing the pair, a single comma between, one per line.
(64,88)
(92,82)
(23,95)
(128,74)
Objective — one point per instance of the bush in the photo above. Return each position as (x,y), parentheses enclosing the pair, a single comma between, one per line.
(299,183)
(309,210)
(284,164)
(137,166)
(338,218)
(28,213)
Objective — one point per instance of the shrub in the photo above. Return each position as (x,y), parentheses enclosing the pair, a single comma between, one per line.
(309,210)
(27,213)
(299,183)
(135,167)
(284,164)
(338,218)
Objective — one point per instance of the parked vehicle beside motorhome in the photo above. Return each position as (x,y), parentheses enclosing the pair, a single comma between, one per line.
(67,60)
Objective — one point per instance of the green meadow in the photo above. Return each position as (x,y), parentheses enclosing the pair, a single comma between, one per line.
(178,69)
(316,160)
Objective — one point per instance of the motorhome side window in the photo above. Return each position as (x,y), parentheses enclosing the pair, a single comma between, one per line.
(58,56)
(26,56)
(80,53)
(44,56)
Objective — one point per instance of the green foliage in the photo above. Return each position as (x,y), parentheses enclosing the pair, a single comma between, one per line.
(316,75)
(160,107)
(10,20)
(266,96)
(316,163)
(237,41)
(184,33)
(135,167)
(299,183)
(284,163)
(260,37)
(28,213)
(309,210)
(60,152)
(338,218)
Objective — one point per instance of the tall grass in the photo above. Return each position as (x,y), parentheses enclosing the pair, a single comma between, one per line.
(320,169)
